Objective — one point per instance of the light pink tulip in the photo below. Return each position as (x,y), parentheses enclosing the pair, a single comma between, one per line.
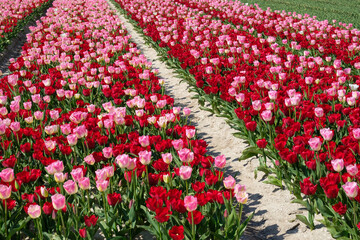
(89,159)
(77,174)
(84,183)
(102,185)
(34,211)
(7,175)
(220,161)
(315,144)
(58,201)
(190,203)
(185,172)
(5,191)
(338,164)
(70,187)
(167,158)
(145,157)
(229,182)
(144,141)
(351,189)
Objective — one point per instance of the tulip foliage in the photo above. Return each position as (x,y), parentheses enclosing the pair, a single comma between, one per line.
(90,144)
(293,96)
(16,14)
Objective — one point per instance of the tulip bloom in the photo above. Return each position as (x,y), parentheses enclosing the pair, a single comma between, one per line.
(34,211)
(185,172)
(5,192)
(70,187)
(190,203)
(58,201)
(351,189)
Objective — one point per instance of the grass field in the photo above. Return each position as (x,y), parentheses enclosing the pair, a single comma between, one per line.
(346,11)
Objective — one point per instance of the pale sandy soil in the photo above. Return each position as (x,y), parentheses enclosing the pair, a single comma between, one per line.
(274,214)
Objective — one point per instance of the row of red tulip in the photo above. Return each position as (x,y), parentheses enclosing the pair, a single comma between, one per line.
(89,140)
(300,113)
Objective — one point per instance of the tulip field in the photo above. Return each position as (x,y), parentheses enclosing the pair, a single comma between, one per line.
(93,148)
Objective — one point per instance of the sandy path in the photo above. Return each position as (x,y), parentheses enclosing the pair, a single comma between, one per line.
(275,215)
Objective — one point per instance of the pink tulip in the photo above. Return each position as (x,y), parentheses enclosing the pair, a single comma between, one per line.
(186,155)
(351,189)
(337,164)
(15,126)
(60,177)
(315,144)
(167,158)
(39,115)
(220,161)
(101,174)
(145,157)
(5,191)
(122,160)
(190,203)
(132,163)
(109,170)
(242,197)
(319,112)
(352,169)
(34,211)
(185,172)
(50,145)
(266,115)
(72,139)
(256,105)
(84,183)
(58,201)
(240,97)
(7,175)
(102,185)
(229,182)
(177,144)
(107,152)
(144,141)
(89,159)
(239,188)
(54,114)
(327,133)
(70,187)
(356,133)
(190,133)
(77,174)
(186,111)
(65,129)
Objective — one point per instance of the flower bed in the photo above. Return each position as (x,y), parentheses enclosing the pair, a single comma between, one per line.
(90,141)
(301,34)
(16,14)
(299,117)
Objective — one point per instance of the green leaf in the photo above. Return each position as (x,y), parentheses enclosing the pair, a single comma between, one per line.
(273,180)
(301,202)
(20,225)
(242,227)
(250,152)
(304,220)
(325,211)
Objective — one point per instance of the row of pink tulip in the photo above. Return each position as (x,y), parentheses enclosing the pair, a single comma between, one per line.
(301,33)
(90,141)
(13,12)
(296,112)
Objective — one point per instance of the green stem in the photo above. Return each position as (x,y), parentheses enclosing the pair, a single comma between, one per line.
(6,229)
(105,212)
(88,200)
(63,223)
(39,228)
(192,226)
